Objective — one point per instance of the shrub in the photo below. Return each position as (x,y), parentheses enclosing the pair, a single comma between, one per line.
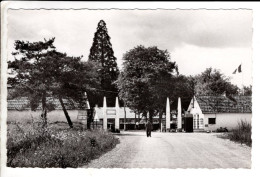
(242,133)
(29,145)
(221,129)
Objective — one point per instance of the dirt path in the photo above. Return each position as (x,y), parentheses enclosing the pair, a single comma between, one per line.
(174,150)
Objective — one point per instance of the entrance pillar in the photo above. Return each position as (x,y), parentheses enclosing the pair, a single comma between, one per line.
(179,114)
(168,114)
(117,114)
(105,114)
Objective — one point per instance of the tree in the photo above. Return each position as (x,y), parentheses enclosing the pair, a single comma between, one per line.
(213,82)
(102,52)
(29,67)
(182,86)
(40,72)
(143,83)
(247,90)
(71,78)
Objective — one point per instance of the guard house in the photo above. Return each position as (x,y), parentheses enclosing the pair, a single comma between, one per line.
(213,112)
(114,117)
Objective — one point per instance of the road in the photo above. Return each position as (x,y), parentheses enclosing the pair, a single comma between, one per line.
(174,150)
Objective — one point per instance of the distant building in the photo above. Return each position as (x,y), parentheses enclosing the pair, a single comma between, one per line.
(213,112)
(108,117)
(115,117)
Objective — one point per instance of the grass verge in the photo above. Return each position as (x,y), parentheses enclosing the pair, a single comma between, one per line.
(30,145)
(241,134)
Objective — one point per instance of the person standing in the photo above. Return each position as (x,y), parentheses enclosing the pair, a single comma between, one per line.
(148,128)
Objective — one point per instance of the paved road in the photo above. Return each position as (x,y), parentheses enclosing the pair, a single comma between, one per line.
(174,150)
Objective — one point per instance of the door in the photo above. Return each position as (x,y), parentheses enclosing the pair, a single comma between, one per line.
(188,124)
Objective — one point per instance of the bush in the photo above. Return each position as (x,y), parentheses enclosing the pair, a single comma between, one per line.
(30,145)
(222,129)
(242,133)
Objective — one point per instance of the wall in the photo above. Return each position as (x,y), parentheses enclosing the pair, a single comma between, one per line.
(229,120)
(53,116)
(195,110)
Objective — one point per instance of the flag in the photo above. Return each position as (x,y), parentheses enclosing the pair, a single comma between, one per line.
(239,69)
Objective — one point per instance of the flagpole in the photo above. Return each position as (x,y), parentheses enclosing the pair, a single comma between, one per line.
(242,79)
(238,71)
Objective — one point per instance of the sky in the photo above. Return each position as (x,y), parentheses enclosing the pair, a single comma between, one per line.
(196,39)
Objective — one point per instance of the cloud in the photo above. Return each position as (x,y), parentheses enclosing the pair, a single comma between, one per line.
(203,28)
(173,30)
(207,28)
(45,32)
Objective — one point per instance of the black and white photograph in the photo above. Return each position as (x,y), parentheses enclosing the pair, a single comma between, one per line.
(91,88)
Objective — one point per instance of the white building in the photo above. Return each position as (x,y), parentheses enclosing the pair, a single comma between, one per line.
(108,117)
(213,112)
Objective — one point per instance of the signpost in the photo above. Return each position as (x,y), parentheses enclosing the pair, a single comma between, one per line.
(82,116)
(85,115)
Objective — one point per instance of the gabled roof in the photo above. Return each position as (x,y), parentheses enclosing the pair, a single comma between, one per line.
(225,104)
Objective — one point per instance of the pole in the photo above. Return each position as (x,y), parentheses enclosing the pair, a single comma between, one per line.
(243,91)
(93,125)
(135,120)
(124,117)
(139,117)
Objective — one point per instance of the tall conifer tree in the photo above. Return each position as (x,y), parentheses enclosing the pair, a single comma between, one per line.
(102,52)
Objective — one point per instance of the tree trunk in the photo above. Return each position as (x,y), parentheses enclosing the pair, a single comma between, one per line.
(160,120)
(44,110)
(65,112)
(135,120)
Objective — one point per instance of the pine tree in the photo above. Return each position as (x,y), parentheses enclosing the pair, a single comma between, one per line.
(40,72)
(102,52)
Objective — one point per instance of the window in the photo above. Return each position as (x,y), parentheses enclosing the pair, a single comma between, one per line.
(212,120)
(201,122)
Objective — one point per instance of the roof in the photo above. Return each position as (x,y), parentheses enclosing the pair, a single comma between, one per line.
(18,104)
(23,103)
(225,104)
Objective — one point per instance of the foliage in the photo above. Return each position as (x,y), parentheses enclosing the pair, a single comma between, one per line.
(39,71)
(221,129)
(247,90)
(242,133)
(144,82)
(30,69)
(212,82)
(102,52)
(181,87)
(29,145)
